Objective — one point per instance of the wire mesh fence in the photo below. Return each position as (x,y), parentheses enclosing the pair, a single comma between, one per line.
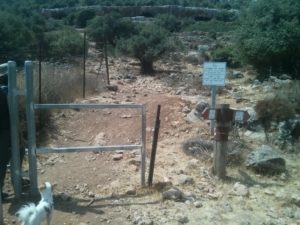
(65,79)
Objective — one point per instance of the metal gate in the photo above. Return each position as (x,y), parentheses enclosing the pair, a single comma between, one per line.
(33,150)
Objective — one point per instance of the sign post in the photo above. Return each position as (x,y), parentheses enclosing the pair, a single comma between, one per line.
(224,116)
(214,76)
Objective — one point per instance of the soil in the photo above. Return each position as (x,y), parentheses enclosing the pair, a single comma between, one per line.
(105,188)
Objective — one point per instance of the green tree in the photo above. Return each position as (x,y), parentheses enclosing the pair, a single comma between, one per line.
(148,45)
(15,38)
(269,35)
(109,28)
(169,22)
(83,17)
(62,43)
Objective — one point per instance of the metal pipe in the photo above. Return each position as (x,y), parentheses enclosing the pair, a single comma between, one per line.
(86,148)
(86,106)
(3,66)
(14,129)
(31,128)
(143,149)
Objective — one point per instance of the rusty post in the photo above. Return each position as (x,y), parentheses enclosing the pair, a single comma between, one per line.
(224,117)
(154,146)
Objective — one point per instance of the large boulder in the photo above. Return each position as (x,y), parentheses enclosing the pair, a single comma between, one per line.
(266,160)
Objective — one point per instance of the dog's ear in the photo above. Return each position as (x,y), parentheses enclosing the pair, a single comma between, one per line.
(42,187)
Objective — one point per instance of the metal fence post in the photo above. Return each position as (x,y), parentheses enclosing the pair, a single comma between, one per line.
(31,128)
(143,149)
(14,124)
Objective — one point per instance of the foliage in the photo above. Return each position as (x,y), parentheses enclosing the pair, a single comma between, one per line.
(109,28)
(225,53)
(211,26)
(269,34)
(81,18)
(290,93)
(15,38)
(62,43)
(169,22)
(148,45)
(273,109)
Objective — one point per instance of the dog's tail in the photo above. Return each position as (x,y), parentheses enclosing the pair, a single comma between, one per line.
(25,212)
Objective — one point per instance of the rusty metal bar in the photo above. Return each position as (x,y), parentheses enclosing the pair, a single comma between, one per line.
(154,147)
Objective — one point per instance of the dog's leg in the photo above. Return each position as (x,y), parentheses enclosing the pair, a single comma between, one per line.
(49,217)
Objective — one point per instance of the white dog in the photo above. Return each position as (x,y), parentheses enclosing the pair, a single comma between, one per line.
(32,214)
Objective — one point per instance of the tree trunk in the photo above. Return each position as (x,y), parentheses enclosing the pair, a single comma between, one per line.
(147,68)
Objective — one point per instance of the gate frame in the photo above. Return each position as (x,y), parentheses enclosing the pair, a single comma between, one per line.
(33,150)
(13,97)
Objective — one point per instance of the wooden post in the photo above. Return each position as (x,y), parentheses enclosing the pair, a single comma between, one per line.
(224,117)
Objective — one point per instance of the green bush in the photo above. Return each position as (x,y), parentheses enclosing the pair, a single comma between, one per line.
(169,22)
(211,26)
(110,28)
(15,39)
(83,17)
(63,43)
(148,45)
(268,36)
(290,93)
(225,53)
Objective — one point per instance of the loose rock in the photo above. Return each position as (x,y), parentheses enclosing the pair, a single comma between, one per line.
(266,160)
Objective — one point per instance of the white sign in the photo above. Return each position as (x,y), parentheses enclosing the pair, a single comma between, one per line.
(212,114)
(239,116)
(214,74)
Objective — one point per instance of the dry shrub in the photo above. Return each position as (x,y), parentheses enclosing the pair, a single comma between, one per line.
(290,93)
(61,82)
(273,110)
(198,148)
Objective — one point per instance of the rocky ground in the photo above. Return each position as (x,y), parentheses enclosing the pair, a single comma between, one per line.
(104,188)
